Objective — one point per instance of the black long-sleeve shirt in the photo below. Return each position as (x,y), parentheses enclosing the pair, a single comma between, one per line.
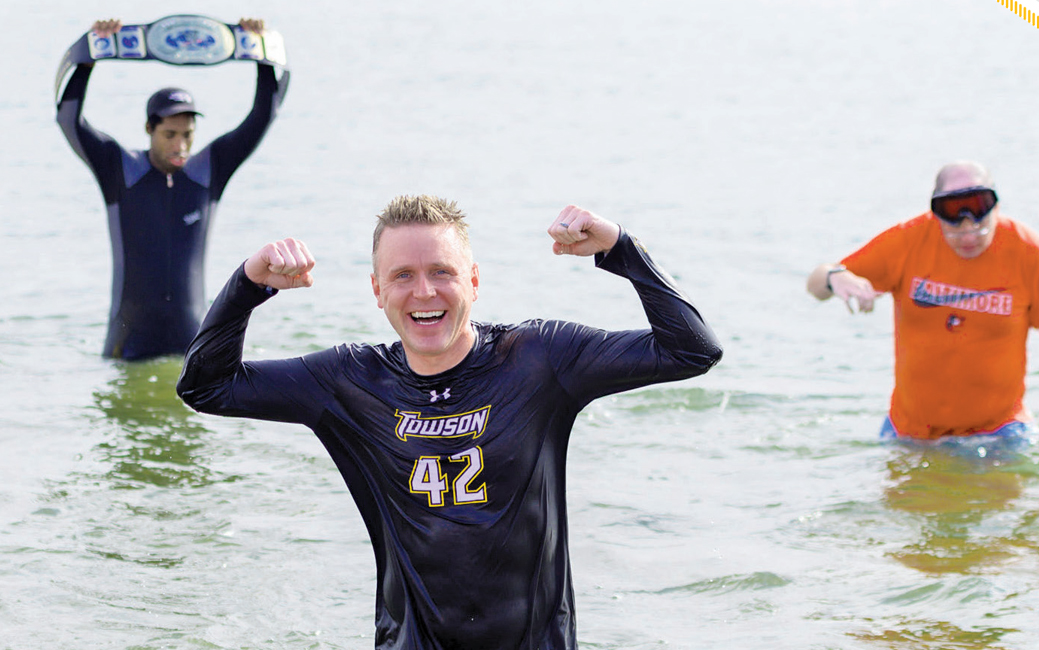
(158,224)
(460,476)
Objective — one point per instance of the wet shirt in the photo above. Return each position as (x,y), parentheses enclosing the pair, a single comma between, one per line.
(459,477)
(961,325)
(158,223)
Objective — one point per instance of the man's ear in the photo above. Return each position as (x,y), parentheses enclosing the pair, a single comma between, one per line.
(377,290)
(148,128)
(476,280)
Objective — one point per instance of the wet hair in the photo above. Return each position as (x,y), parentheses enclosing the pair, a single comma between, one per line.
(421,210)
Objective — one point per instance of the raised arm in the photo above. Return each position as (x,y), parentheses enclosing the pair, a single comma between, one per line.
(591,363)
(216,380)
(98,150)
(231,149)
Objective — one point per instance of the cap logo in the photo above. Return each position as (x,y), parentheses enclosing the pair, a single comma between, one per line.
(180,97)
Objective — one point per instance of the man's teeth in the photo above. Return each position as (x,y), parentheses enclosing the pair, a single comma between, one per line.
(427,314)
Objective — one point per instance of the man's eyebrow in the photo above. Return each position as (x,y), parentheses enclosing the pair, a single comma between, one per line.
(407,266)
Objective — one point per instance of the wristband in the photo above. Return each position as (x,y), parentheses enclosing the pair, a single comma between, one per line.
(837,269)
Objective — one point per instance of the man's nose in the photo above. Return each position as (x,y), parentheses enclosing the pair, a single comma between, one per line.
(424,288)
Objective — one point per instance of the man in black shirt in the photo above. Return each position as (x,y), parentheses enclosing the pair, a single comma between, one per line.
(452,440)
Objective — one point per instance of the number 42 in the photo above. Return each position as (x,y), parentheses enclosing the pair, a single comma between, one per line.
(428,478)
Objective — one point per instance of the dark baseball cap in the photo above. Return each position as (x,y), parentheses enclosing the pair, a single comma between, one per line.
(171,101)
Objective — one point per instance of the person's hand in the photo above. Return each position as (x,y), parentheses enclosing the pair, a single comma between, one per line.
(284,264)
(847,286)
(105,28)
(252,24)
(577,231)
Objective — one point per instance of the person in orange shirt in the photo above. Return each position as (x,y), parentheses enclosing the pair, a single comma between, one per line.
(965,281)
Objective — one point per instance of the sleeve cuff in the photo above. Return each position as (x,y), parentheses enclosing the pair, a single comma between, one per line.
(246,294)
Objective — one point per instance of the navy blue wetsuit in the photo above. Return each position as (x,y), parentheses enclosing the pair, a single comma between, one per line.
(157,223)
(460,476)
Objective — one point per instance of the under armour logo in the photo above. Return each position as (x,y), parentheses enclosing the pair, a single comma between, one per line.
(192,217)
(434,396)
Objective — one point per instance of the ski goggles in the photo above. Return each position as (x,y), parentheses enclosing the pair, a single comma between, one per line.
(954,207)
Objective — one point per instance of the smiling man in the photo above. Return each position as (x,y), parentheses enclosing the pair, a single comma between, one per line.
(965,280)
(452,440)
(160,205)
(425,281)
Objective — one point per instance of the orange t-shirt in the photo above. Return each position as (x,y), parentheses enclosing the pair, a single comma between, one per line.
(961,325)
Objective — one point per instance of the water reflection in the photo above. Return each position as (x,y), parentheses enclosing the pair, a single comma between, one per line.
(157,439)
(928,634)
(954,494)
(965,505)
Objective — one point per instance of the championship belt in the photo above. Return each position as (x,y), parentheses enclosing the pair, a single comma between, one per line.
(179,40)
